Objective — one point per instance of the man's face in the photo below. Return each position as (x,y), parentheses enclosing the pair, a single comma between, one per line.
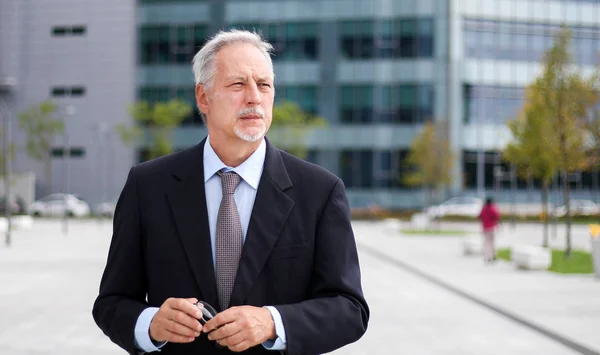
(240,103)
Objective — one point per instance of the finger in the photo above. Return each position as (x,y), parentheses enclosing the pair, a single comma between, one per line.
(186,305)
(244,345)
(233,339)
(185,320)
(224,331)
(181,329)
(228,316)
(177,338)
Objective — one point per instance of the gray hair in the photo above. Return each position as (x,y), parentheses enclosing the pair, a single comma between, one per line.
(204,63)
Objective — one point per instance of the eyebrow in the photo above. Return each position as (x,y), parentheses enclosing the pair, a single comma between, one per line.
(244,79)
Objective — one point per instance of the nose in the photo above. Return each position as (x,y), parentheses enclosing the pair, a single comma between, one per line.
(252,94)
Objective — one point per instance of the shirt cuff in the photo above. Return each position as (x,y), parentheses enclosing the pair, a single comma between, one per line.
(280,342)
(142,331)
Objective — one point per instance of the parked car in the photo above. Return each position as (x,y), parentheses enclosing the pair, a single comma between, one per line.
(106,209)
(58,204)
(579,208)
(456,206)
(18,205)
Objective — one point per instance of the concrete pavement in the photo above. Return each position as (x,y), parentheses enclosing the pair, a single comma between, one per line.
(49,282)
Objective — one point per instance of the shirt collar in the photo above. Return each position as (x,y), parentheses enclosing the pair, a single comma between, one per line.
(250,170)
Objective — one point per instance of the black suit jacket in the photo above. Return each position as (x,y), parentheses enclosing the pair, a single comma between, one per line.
(299,254)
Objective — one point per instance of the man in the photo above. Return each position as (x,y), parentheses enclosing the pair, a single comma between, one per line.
(263,237)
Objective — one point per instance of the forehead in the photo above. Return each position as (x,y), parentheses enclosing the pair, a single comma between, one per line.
(243,59)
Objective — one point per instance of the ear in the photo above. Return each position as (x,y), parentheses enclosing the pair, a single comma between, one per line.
(202,98)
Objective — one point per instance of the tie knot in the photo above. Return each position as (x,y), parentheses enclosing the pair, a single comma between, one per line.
(229,180)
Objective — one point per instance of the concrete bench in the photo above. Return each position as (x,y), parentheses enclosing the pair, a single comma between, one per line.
(392,225)
(473,245)
(531,257)
(419,221)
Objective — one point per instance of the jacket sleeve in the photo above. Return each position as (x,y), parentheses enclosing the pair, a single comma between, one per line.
(122,295)
(335,313)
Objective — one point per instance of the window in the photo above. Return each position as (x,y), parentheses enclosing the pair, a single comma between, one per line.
(61,31)
(491,104)
(401,103)
(74,152)
(66,91)
(374,168)
(77,91)
(78,30)
(304,96)
(522,41)
(397,38)
(291,41)
(166,1)
(171,44)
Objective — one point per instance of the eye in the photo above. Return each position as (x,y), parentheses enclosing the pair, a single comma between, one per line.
(265,85)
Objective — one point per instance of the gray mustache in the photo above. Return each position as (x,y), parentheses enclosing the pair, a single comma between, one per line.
(251,110)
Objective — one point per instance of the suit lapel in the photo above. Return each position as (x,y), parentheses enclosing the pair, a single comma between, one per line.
(269,214)
(188,204)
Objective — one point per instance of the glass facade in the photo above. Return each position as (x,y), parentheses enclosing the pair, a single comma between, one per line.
(291,41)
(410,44)
(373,168)
(170,44)
(519,41)
(402,103)
(304,96)
(398,38)
(492,104)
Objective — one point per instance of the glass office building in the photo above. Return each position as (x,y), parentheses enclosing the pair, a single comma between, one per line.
(377,70)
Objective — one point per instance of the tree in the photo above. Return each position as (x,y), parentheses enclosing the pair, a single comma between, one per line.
(41,127)
(160,119)
(10,156)
(593,126)
(291,125)
(568,98)
(431,159)
(530,150)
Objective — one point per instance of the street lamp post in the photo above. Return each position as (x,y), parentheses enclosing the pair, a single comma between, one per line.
(6,84)
(69,112)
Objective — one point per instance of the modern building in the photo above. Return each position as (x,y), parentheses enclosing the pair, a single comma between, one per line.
(376,70)
(81,55)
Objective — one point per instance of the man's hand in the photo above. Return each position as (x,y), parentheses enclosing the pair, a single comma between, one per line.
(240,328)
(176,321)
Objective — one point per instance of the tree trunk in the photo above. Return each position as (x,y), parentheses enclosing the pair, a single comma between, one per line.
(545,213)
(567,197)
(48,173)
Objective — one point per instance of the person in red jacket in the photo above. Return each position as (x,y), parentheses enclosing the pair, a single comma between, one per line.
(489,217)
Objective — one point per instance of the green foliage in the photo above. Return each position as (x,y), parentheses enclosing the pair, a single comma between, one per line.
(549,136)
(290,126)
(431,159)
(530,149)
(40,128)
(160,119)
